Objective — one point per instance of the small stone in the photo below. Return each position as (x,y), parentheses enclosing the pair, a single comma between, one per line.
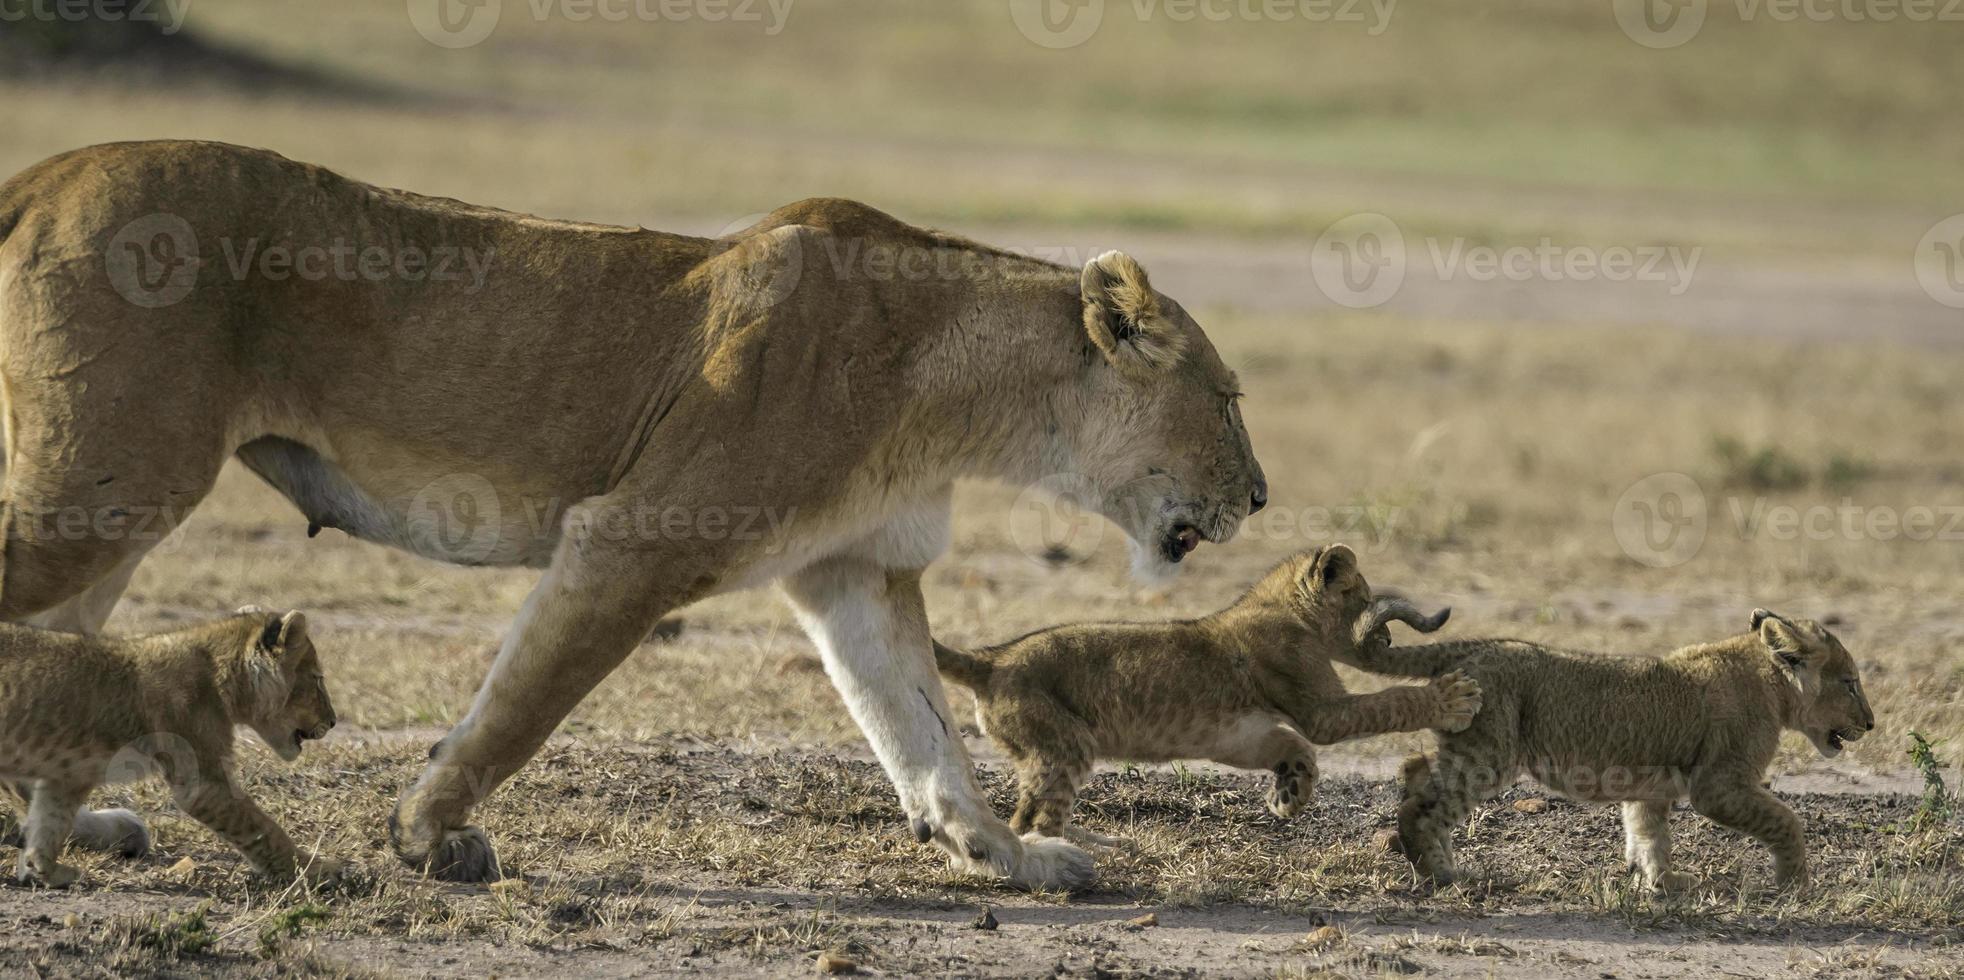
(986,921)
(510,887)
(1147,921)
(1530,805)
(834,964)
(71,921)
(1324,938)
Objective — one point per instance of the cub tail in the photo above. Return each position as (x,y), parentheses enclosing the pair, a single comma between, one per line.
(962,667)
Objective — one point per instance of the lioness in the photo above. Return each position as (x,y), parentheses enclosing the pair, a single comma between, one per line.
(1702,722)
(650,418)
(76,710)
(1250,686)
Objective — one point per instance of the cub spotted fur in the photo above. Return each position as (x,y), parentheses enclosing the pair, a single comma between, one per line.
(1702,723)
(77,710)
(1250,686)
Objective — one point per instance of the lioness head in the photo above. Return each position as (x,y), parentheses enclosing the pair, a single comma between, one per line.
(1834,710)
(1162,440)
(291,704)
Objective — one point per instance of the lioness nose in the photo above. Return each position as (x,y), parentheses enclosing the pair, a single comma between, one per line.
(1258,498)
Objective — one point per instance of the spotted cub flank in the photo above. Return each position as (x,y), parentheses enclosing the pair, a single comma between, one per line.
(78,711)
(1251,686)
(1700,723)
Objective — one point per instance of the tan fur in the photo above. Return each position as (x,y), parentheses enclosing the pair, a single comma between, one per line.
(1702,723)
(800,396)
(76,711)
(1250,686)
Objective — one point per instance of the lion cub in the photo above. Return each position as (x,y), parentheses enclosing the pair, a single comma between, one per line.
(1702,723)
(76,710)
(1250,686)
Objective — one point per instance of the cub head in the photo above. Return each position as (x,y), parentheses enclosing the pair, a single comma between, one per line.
(1327,591)
(1834,709)
(289,702)
(1162,440)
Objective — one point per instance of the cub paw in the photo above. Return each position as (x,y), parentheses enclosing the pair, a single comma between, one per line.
(1295,783)
(321,870)
(52,876)
(118,831)
(1670,882)
(1459,701)
(1053,864)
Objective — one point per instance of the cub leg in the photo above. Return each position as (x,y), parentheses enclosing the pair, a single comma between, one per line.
(209,795)
(1741,803)
(1447,704)
(50,815)
(1282,751)
(1647,845)
(1438,802)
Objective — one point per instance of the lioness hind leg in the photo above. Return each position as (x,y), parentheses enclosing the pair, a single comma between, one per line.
(49,816)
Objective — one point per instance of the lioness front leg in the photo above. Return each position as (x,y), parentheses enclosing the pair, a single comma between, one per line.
(1448,704)
(870,624)
(50,814)
(588,612)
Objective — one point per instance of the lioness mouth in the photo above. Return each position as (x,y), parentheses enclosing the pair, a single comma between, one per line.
(1180,542)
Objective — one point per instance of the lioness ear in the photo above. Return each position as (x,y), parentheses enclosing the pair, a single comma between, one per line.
(1122,315)
(1781,637)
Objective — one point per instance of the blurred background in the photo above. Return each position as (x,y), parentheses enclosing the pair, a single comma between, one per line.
(1606,322)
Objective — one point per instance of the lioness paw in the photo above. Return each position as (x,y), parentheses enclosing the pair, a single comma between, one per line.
(52,876)
(1459,701)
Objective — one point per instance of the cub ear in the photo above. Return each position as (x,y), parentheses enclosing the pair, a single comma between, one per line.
(1781,636)
(1122,315)
(283,634)
(1335,568)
